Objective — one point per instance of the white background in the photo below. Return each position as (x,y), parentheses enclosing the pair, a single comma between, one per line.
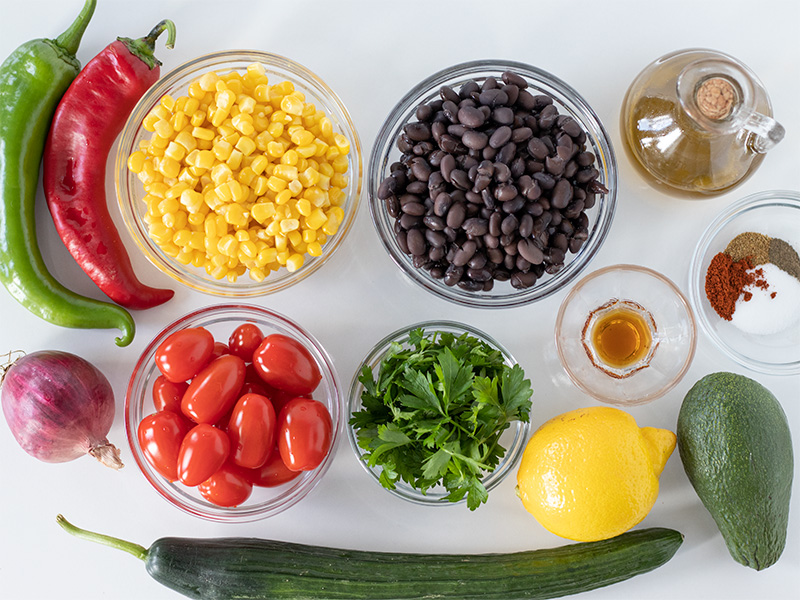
(371,53)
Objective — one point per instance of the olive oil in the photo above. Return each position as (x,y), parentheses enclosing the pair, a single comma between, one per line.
(621,338)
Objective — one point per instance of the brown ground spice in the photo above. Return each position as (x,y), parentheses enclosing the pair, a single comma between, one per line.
(725,281)
(750,244)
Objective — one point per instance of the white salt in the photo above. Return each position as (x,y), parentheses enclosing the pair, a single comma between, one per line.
(769,310)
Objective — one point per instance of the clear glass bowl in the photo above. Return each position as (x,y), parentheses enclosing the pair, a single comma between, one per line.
(774,213)
(513,439)
(568,102)
(130,190)
(673,334)
(221,320)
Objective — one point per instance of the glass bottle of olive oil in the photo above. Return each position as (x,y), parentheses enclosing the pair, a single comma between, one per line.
(697,122)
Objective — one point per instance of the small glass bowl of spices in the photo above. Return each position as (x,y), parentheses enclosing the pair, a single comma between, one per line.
(492,184)
(625,335)
(745,282)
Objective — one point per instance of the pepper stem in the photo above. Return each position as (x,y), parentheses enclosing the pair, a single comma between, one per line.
(71,38)
(138,551)
(144,47)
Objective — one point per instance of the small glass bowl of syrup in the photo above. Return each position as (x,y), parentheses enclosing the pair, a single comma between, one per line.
(625,335)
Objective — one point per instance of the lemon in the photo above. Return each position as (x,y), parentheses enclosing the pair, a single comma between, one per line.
(592,473)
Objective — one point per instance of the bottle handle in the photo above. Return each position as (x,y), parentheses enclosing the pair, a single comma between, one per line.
(767,132)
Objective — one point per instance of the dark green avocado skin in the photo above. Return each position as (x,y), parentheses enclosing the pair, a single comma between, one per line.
(736,448)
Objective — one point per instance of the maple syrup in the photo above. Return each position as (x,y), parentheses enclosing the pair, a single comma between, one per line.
(619,337)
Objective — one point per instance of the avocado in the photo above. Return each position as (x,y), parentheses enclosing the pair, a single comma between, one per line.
(736,448)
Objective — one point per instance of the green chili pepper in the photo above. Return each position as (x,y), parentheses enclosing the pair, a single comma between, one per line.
(32,81)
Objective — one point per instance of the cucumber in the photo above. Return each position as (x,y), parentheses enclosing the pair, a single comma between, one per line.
(247,568)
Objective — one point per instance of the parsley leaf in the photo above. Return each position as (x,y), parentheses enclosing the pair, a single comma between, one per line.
(433,414)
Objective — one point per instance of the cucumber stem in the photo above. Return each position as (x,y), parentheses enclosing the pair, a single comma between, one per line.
(138,551)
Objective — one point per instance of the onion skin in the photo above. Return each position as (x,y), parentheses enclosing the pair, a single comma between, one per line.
(59,407)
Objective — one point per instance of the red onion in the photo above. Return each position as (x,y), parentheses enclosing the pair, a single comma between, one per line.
(59,407)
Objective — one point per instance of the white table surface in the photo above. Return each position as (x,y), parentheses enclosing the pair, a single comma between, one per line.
(371,53)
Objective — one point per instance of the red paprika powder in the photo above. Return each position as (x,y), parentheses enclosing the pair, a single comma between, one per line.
(725,282)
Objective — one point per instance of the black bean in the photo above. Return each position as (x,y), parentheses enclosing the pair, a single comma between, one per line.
(586,175)
(468,88)
(417,188)
(507,153)
(415,209)
(502,172)
(521,264)
(416,242)
(505,192)
(477,140)
(460,179)
(424,112)
(554,165)
(542,101)
(453,275)
(585,159)
(562,193)
(491,241)
(509,225)
(514,205)
(509,261)
(471,116)
(479,274)
(437,272)
(518,167)
(523,281)
(474,198)
(449,144)
(571,127)
(402,240)
(512,92)
(456,215)
(457,130)
(493,97)
(545,180)
(409,221)
(548,116)
(464,253)
(495,255)
(514,79)
(500,137)
(528,249)
(503,115)
(475,227)
(521,134)
(478,260)
(526,100)
(438,129)
(420,168)
(451,234)
(418,132)
(436,184)
(575,245)
(537,148)
(494,224)
(449,94)
(525,225)
(435,238)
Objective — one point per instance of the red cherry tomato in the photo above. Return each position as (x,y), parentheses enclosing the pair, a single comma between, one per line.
(285,364)
(214,390)
(244,340)
(227,487)
(160,436)
(181,356)
(167,394)
(304,434)
(203,451)
(219,350)
(252,430)
(272,473)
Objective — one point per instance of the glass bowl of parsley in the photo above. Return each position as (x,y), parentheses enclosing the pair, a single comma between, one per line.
(439,413)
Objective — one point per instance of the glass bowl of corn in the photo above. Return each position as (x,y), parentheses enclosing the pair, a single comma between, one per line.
(239,173)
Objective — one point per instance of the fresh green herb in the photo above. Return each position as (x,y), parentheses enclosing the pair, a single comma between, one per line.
(436,411)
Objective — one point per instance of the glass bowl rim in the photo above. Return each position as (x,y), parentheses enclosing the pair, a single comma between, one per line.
(682,300)
(513,452)
(126,197)
(241,514)
(591,124)
(755,201)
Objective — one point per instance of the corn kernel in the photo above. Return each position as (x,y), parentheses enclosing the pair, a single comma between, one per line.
(203,133)
(316,219)
(294,262)
(303,207)
(262,211)
(309,236)
(342,143)
(276,184)
(302,137)
(235,160)
(259,185)
(163,128)
(259,164)
(292,105)
(287,172)
(314,249)
(282,198)
(175,151)
(222,150)
(295,187)
(246,146)
(288,225)
(136,162)
(197,119)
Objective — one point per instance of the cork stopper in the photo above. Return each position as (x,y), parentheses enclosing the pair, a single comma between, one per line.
(715,98)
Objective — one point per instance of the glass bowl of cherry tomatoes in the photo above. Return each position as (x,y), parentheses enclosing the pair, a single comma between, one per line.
(233,413)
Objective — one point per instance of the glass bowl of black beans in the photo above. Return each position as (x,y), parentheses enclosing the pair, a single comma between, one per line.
(492,184)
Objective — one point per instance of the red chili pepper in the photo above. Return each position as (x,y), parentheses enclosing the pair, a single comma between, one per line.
(87,121)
